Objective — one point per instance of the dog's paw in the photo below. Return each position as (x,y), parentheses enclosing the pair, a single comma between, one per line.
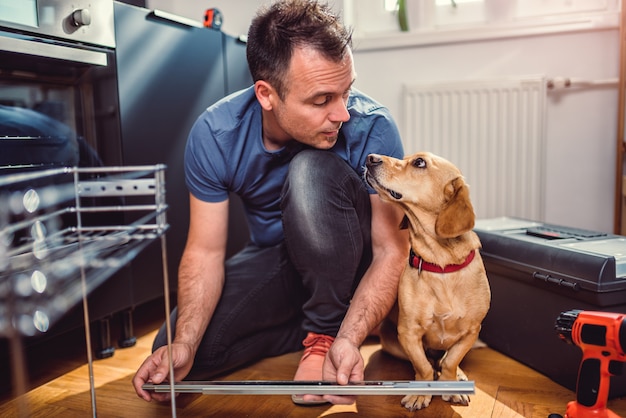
(415,402)
(457,399)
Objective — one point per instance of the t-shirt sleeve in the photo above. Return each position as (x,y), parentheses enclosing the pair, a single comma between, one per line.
(383,138)
(205,163)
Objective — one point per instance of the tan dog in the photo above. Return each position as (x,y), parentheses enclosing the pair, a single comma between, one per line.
(443,294)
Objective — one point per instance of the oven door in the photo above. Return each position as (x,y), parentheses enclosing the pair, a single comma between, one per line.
(58,103)
(59,107)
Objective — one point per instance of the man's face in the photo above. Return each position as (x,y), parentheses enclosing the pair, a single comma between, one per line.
(314,106)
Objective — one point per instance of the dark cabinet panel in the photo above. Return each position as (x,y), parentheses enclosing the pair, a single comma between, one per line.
(169,73)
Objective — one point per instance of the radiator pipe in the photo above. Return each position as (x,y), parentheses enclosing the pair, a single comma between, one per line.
(560,83)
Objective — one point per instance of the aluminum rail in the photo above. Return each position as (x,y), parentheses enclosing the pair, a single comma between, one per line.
(282,387)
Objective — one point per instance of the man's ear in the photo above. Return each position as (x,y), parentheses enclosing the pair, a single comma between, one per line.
(265,94)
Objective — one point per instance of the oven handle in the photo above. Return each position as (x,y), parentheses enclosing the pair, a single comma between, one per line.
(41,49)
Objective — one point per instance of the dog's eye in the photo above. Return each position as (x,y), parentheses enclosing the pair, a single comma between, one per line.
(419,163)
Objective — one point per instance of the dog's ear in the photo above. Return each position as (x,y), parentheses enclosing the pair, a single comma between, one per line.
(457,216)
(404,224)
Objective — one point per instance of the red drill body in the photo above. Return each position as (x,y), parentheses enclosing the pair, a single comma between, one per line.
(602,339)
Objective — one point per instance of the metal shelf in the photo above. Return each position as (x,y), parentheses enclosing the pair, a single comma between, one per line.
(59,226)
(64,232)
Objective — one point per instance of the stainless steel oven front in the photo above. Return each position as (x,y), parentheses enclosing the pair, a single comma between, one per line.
(58,87)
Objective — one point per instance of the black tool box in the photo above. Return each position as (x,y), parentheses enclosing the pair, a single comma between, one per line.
(536,271)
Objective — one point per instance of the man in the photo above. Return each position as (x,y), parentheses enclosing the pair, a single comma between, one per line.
(322,268)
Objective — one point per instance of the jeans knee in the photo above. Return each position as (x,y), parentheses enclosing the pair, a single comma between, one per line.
(312,167)
(313,176)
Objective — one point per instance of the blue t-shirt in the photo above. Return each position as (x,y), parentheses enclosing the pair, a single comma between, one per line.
(225,153)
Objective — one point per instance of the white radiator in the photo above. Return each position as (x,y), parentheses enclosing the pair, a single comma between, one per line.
(493,130)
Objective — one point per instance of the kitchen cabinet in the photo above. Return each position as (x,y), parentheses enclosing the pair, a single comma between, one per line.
(169,72)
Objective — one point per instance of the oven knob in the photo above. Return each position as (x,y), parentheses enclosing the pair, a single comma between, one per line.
(81,17)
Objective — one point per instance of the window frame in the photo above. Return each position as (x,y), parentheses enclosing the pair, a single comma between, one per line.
(379,29)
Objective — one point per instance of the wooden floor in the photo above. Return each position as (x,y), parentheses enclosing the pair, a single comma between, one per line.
(504,388)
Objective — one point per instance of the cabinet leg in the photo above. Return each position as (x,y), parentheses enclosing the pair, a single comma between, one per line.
(104,348)
(127,339)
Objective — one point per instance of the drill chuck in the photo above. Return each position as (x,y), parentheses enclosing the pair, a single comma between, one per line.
(565,323)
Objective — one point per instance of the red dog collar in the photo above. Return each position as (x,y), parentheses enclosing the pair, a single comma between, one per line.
(418,262)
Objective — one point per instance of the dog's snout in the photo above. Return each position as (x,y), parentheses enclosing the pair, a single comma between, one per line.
(373,160)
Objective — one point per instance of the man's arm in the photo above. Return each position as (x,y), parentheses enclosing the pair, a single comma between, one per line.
(378,289)
(201,271)
(200,283)
(372,300)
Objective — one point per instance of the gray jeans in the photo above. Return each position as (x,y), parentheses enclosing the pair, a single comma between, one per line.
(273,296)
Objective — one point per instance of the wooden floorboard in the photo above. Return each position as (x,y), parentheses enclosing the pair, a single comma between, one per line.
(504,388)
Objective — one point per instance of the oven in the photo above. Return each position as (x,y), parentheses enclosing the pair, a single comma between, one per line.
(59,107)
(58,88)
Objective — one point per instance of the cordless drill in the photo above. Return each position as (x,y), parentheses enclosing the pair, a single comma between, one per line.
(602,338)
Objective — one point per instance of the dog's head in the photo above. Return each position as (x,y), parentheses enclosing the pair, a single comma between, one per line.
(425,185)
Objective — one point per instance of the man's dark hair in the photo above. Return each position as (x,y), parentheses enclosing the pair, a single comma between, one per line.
(284,25)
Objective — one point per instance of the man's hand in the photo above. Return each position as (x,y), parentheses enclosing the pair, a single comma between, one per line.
(155,369)
(343,364)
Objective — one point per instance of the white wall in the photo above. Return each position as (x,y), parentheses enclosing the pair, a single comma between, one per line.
(581,126)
